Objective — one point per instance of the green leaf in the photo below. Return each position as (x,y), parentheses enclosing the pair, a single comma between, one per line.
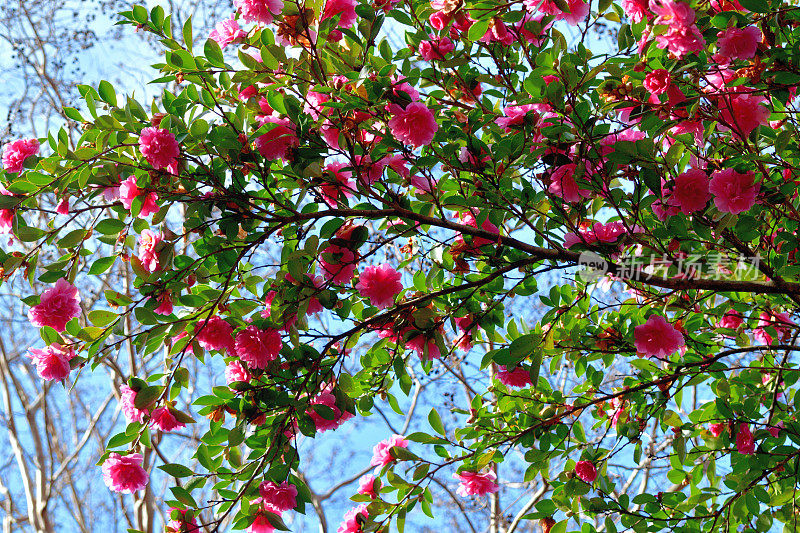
(756,6)
(101,265)
(436,422)
(176,470)
(213,53)
(102,318)
(478,30)
(147,396)
(107,93)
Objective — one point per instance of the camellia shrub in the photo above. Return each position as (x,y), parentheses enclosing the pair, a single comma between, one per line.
(606,229)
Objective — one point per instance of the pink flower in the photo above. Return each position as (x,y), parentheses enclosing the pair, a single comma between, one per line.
(474,484)
(327,399)
(353,520)
(214,334)
(439,20)
(586,471)
(657,337)
(63,206)
(637,10)
(124,473)
(163,419)
(128,406)
(366,486)
(776,429)
(515,115)
(164,307)
(341,183)
(743,112)
(717,428)
(435,49)
(731,320)
(745,444)
(519,377)
(261,523)
(227,31)
(260,11)
(578,9)
(182,525)
(465,325)
(56,307)
(681,41)
(128,190)
(338,263)
(235,371)
(657,81)
(282,497)
(691,191)
(313,105)
(781,322)
(246,93)
(414,125)
(159,147)
(563,184)
(148,242)
(380,284)
(347,9)
(733,192)
(735,43)
(278,141)
(52,362)
(382,452)
(257,347)
(15,153)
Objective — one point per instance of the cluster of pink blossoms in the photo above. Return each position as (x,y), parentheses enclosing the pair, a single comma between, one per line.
(353,520)
(159,147)
(56,306)
(124,473)
(657,338)
(282,497)
(52,362)
(227,31)
(257,347)
(128,191)
(380,284)
(260,11)
(475,484)
(15,153)
(322,423)
(682,35)
(382,452)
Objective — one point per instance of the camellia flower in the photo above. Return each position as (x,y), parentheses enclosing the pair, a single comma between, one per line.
(226,31)
(182,525)
(733,192)
(159,147)
(345,8)
(214,334)
(743,112)
(781,322)
(657,337)
(257,347)
(586,471)
(745,444)
(321,423)
(124,473)
(731,320)
(716,429)
(657,81)
(282,497)
(148,242)
(260,11)
(435,49)
(15,153)
(382,452)
(128,190)
(63,206)
(338,263)
(518,377)
(261,523)
(735,43)
(128,406)
(366,486)
(515,117)
(414,125)
(637,10)
(564,185)
(235,371)
(380,284)
(52,362)
(56,307)
(690,192)
(353,520)
(578,9)
(474,484)
(163,419)
(278,141)
(164,306)
(340,184)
